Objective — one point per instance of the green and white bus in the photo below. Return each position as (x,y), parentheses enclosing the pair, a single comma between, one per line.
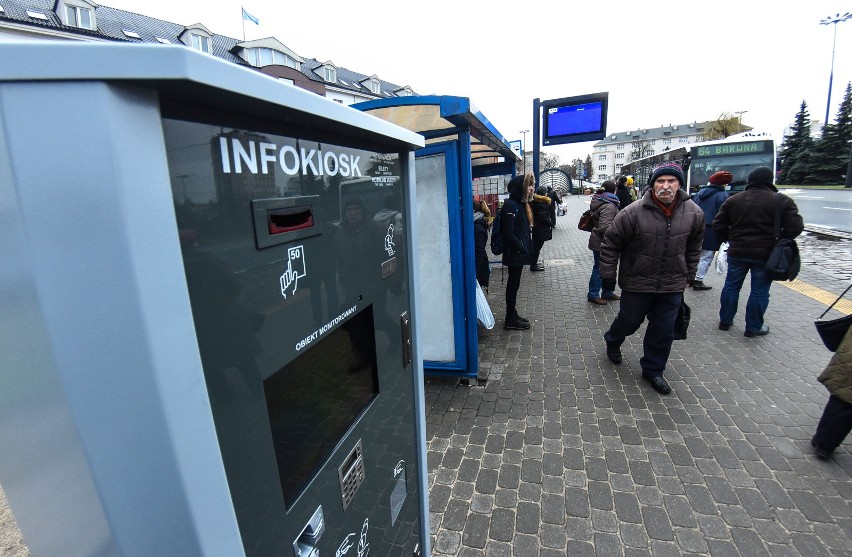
(738,154)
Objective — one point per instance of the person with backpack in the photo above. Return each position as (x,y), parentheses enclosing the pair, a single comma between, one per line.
(514,244)
(604,206)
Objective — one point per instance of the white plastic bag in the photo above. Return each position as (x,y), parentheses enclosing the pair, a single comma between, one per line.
(722,259)
(483,310)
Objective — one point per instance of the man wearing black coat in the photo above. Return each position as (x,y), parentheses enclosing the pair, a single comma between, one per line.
(747,222)
(515,229)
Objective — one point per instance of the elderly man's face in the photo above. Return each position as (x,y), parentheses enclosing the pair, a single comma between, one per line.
(665,188)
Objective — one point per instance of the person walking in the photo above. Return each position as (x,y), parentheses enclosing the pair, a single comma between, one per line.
(836,421)
(654,244)
(747,222)
(542,224)
(710,198)
(515,230)
(604,206)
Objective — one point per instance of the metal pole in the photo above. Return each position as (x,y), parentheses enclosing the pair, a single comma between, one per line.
(832,21)
(524,149)
(849,169)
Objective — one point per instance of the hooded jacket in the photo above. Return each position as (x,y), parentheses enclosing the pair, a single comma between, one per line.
(837,375)
(542,223)
(604,212)
(651,252)
(515,226)
(747,221)
(710,198)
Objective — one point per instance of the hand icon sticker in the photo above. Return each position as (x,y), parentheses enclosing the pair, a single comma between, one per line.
(295,270)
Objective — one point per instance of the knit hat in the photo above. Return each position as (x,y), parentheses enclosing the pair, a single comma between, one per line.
(721,178)
(541,190)
(630,181)
(761,175)
(668,169)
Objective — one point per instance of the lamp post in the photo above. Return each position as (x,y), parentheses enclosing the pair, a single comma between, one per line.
(832,21)
(524,149)
(739,114)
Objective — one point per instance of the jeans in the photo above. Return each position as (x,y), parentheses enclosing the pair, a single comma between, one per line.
(704,263)
(595,280)
(661,311)
(758,298)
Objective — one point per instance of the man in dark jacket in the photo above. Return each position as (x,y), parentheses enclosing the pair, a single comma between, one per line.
(654,244)
(622,191)
(710,198)
(515,229)
(747,222)
(542,225)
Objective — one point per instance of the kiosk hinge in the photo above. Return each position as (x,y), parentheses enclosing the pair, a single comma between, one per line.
(405,322)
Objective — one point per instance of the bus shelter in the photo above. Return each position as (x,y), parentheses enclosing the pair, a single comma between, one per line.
(464,156)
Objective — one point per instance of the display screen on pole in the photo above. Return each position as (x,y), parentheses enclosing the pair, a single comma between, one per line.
(575,119)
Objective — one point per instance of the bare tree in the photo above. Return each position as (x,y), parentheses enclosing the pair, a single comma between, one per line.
(641,149)
(726,124)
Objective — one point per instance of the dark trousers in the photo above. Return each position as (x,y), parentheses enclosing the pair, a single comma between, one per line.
(513,283)
(536,251)
(835,424)
(661,311)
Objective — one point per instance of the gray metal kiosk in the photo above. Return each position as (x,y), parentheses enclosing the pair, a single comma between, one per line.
(207,344)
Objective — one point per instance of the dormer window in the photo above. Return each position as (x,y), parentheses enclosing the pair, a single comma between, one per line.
(76,13)
(79,17)
(200,42)
(259,57)
(373,84)
(198,37)
(404,92)
(36,15)
(330,74)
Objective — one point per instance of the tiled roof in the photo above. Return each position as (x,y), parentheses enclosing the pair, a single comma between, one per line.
(677,130)
(112,22)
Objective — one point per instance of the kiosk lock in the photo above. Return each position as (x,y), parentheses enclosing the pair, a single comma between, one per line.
(306,544)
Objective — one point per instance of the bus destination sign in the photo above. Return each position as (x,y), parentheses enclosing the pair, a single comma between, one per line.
(734,148)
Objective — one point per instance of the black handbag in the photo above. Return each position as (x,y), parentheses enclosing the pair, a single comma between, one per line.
(832,331)
(783,262)
(681,323)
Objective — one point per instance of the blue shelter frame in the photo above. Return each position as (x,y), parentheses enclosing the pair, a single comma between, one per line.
(461,145)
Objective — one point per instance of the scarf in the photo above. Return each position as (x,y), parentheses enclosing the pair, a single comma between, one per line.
(667,209)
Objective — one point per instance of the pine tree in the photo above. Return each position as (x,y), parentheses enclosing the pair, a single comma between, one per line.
(830,158)
(796,149)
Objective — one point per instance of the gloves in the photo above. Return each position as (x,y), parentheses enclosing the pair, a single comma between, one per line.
(608,284)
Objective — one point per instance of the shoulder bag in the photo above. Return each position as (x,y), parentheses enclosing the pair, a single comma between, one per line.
(832,331)
(783,262)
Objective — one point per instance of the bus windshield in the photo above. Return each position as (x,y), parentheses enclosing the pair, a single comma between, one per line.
(739,158)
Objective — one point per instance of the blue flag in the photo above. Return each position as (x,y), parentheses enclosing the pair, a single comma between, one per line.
(247,16)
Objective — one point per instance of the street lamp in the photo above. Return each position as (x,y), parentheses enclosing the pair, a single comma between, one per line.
(832,21)
(739,114)
(524,149)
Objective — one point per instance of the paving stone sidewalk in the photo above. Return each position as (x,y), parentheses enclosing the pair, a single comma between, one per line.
(558,452)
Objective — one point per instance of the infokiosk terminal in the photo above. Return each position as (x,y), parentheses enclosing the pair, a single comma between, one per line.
(208,341)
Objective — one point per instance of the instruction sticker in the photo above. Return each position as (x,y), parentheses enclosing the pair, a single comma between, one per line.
(295,270)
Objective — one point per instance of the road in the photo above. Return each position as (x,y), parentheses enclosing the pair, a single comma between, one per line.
(827,208)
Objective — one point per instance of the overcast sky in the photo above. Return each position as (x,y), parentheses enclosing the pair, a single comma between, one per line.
(663,62)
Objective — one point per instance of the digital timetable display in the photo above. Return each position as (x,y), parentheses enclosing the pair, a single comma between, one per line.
(575,119)
(743,148)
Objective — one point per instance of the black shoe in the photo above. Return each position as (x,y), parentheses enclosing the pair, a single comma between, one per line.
(724,326)
(613,353)
(762,332)
(820,452)
(522,319)
(659,383)
(698,285)
(514,323)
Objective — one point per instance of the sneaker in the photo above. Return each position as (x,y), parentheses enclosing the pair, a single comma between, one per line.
(698,285)
(762,332)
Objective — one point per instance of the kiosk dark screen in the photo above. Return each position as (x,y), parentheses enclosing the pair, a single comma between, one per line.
(313,400)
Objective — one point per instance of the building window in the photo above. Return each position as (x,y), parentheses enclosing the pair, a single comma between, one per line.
(259,57)
(602,167)
(683,139)
(601,157)
(162,40)
(667,141)
(619,155)
(79,17)
(620,146)
(36,15)
(330,74)
(618,167)
(286,80)
(338,101)
(200,42)
(131,34)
